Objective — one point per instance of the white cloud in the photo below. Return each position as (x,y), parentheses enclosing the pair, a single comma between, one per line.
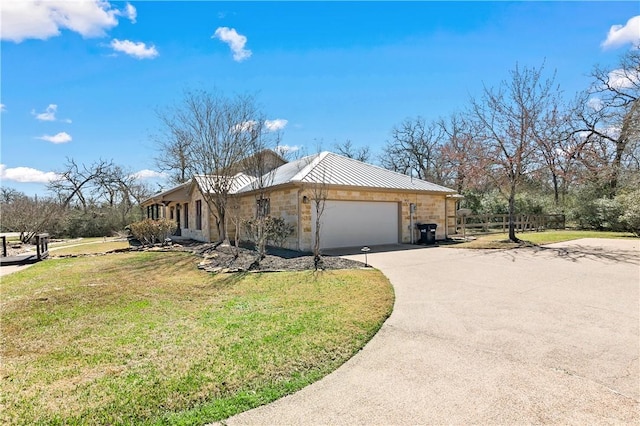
(277,124)
(624,79)
(595,103)
(286,149)
(611,131)
(622,34)
(130,12)
(49,114)
(246,126)
(137,50)
(148,174)
(235,41)
(62,137)
(270,125)
(26,175)
(36,19)
(3,108)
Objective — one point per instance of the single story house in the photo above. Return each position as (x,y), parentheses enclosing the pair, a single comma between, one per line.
(364,204)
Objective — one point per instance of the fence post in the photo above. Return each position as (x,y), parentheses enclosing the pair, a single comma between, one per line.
(42,246)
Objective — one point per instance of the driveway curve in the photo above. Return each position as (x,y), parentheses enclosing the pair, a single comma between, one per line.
(536,335)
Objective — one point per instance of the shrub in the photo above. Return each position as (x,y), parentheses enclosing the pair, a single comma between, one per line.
(598,213)
(493,202)
(262,230)
(278,230)
(149,231)
(630,208)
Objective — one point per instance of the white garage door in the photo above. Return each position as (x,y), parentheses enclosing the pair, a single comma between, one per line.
(357,223)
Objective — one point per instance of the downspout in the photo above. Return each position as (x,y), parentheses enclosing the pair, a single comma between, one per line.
(446,219)
(412,208)
(299,218)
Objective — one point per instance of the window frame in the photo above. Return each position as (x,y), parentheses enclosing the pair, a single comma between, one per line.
(198,214)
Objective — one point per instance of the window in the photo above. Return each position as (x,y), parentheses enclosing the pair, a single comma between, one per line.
(154,212)
(263,207)
(171,213)
(198,214)
(186,215)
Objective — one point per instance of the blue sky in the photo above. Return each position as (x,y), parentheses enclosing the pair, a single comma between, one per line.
(84,80)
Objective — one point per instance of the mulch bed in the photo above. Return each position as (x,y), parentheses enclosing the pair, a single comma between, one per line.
(223,258)
(220,258)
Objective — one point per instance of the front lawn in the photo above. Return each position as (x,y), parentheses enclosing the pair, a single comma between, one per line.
(501,241)
(83,248)
(147,338)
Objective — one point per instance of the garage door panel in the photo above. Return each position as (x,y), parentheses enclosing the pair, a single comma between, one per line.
(356,223)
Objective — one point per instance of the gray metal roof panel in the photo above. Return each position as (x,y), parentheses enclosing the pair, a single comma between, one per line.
(334,169)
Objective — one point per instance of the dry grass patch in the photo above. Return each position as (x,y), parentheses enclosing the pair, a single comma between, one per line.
(147,338)
(84,248)
(501,241)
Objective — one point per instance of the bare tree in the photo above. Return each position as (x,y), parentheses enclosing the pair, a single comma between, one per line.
(460,153)
(75,181)
(173,150)
(506,122)
(558,147)
(319,194)
(415,149)
(27,215)
(7,195)
(348,150)
(609,120)
(120,190)
(261,165)
(217,132)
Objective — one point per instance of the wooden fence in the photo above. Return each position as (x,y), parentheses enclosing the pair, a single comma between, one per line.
(42,246)
(500,223)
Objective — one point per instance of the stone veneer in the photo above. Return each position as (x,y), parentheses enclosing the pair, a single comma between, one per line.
(430,208)
(287,202)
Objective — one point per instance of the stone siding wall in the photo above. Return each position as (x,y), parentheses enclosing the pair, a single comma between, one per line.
(203,234)
(282,203)
(289,204)
(430,208)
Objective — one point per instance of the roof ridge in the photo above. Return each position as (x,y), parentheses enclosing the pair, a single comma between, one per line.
(309,166)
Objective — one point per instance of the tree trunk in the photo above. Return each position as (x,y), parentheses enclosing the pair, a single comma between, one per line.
(512,215)
(615,167)
(556,195)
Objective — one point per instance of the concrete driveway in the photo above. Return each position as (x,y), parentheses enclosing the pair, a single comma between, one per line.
(546,335)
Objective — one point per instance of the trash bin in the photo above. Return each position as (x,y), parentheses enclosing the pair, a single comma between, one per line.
(427,233)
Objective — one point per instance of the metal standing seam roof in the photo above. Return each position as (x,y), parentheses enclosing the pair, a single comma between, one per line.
(333,169)
(160,196)
(326,168)
(239,181)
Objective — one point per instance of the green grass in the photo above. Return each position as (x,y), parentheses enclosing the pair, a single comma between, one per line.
(501,241)
(147,338)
